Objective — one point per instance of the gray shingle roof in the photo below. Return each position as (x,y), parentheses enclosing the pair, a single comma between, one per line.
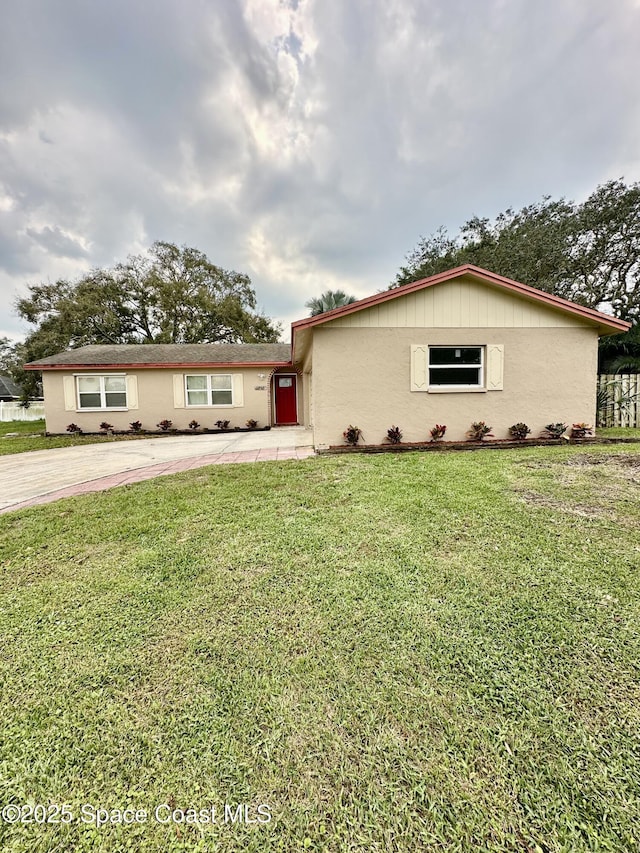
(8,387)
(146,354)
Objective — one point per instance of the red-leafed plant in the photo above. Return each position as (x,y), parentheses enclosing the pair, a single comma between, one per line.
(437,432)
(352,435)
(479,430)
(519,431)
(580,430)
(165,425)
(394,435)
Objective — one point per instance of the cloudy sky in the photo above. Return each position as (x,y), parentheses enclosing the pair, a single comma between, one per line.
(308,143)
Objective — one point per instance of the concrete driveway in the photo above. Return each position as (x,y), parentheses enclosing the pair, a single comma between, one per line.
(41,476)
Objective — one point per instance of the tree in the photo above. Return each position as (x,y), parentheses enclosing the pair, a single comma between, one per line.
(170,295)
(327,301)
(589,252)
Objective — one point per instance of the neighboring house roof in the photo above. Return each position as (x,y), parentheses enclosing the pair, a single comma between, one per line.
(8,389)
(605,322)
(166,355)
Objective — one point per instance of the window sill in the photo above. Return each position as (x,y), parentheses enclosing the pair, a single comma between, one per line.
(111,409)
(214,406)
(453,389)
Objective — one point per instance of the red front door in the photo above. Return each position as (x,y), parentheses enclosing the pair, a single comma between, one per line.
(286,403)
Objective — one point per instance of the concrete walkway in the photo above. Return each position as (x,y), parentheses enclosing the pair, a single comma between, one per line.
(42,476)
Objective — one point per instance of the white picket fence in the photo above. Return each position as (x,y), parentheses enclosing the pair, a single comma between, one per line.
(619,400)
(16,412)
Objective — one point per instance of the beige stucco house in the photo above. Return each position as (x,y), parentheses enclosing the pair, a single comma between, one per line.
(465,345)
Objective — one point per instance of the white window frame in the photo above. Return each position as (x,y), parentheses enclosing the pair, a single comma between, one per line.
(103,393)
(480,386)
(209,404)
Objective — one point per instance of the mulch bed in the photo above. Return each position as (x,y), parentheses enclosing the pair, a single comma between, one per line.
(495,444)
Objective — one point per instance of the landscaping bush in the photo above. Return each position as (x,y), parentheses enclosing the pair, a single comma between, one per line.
(479,430)
(252,423)
(394,435)
(136,426)
(519,431)
(555,430)
(222,424)
(193,425)
(580,430)
(437,432)
(105,427)
(352,435)
(165,425)
(74,428)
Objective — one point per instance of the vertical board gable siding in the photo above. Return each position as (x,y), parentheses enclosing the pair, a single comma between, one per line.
(458,304)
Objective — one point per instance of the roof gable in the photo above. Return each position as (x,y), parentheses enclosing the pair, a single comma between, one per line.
(605,323)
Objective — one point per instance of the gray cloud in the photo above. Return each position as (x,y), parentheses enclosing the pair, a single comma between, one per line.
(306,143)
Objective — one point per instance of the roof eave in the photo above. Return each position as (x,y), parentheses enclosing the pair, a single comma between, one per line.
(178,365)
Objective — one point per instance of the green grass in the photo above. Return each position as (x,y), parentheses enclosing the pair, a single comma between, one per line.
(432,652)
(21,436)
(618,432)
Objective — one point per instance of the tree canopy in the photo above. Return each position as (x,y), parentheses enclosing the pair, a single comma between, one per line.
(170,294)
(327,301)
(588,253)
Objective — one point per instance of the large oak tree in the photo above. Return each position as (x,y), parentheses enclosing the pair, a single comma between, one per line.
(588,252)
(171,294)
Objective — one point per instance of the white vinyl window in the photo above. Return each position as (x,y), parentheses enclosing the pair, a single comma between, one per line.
(213,390)
(102,392)
(456,367)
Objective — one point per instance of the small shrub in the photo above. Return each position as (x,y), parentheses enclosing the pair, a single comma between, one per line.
(74,428)
(252,423)
(555,430)
(105,427)
(580,430)
(193,424)
(352,435)
(136,426)
(437,432)
(394,435)
(222,424)
(479,430)
(165,425)
(519,431)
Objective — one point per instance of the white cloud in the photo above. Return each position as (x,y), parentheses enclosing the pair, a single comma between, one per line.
(306,143)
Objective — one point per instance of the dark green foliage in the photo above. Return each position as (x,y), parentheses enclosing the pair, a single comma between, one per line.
(352,435)
(394,435)
(555,430)
(327,301)
(519,431)
(171,294)
(479,430)
(588,253)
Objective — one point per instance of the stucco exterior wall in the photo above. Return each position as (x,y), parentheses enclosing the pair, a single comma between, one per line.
(362,376)
(157,399)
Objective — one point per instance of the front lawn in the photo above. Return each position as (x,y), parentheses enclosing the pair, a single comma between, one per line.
(435,652)
(21,436)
